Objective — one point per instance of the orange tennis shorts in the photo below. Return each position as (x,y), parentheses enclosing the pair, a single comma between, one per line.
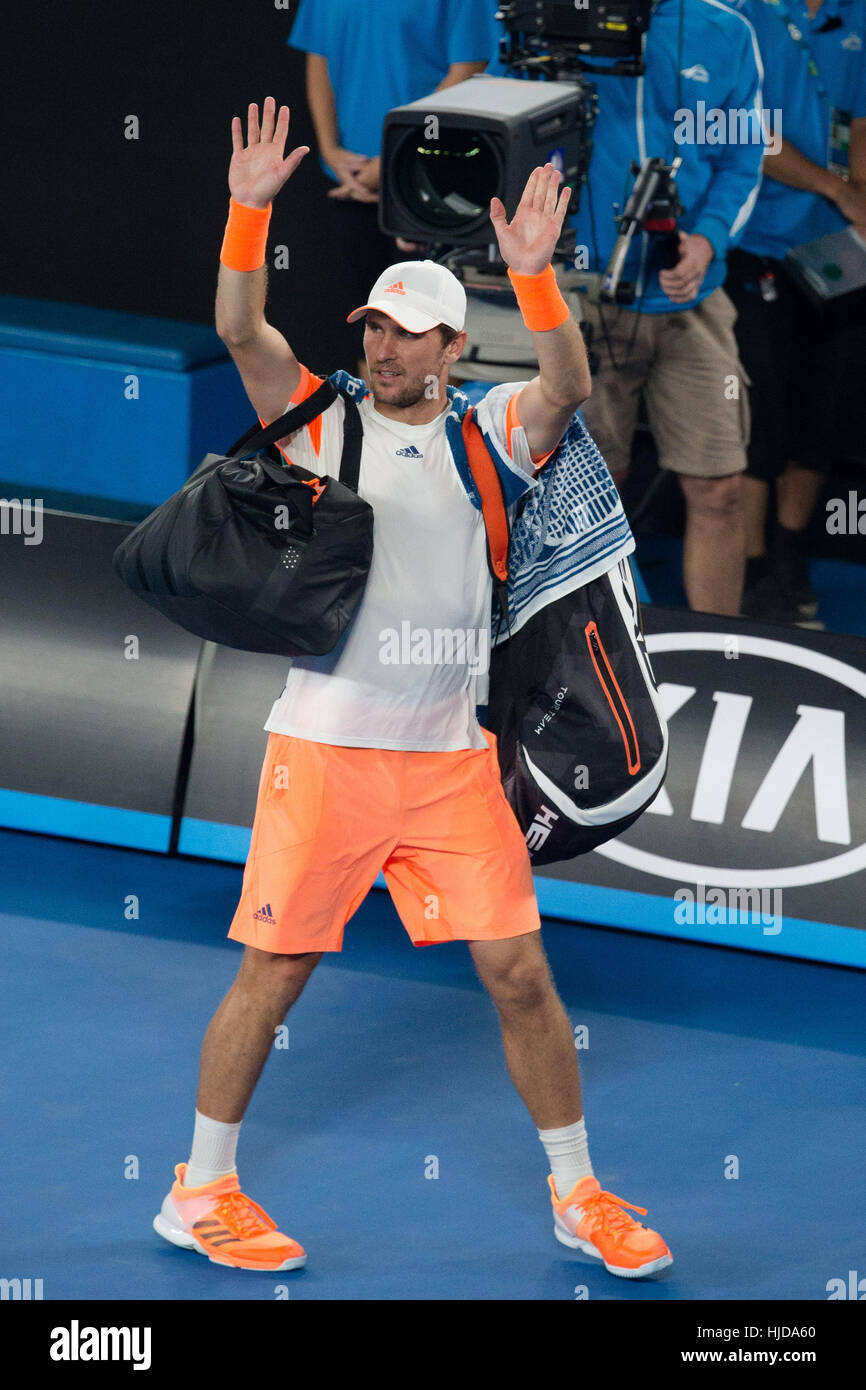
(438,825)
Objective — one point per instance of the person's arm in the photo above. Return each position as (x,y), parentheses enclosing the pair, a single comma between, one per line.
(320,99)
(795,170)
(458,72)
(346,164)
(791,167)
(526,244)
(269,369)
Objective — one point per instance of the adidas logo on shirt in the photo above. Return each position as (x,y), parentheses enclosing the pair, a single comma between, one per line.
(698,73)
(409,453)
(853,42)
(264,915)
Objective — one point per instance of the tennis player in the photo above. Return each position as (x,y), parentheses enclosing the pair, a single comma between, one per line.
(375,758)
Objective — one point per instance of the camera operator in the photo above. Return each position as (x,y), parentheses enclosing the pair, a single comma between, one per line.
(676,343)
(816,78)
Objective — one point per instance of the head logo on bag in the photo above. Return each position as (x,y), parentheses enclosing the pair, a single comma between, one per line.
(540,829)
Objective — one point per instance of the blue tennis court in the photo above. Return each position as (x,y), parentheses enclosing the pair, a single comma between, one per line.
(700,1062)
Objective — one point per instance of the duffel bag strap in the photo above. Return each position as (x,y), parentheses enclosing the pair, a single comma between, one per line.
(258,437)
(353,439)
(350,459)
(353,433)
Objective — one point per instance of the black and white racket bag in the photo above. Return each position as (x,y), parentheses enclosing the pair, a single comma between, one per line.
(582,738)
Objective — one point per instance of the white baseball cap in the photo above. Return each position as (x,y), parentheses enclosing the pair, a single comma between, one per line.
(417,295)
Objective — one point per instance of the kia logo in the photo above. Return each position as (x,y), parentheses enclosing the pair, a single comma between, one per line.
(768,748)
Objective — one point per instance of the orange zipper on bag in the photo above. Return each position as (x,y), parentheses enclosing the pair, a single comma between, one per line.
(615,698)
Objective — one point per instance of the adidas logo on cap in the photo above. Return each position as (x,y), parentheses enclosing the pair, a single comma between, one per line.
(429,294)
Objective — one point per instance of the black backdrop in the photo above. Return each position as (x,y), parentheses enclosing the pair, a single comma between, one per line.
(90,217)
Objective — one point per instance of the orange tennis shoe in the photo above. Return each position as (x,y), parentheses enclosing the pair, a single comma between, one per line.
(594,1221)
(219,1221)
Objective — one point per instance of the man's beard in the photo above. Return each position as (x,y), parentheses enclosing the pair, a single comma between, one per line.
(410,394)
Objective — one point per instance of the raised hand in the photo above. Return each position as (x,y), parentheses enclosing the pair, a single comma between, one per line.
(258,172)
(529,240)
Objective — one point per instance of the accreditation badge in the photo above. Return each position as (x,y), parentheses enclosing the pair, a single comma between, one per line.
(839,140)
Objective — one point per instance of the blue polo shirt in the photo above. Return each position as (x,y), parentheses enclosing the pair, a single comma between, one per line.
(783,216)
(710,61)
(385,53)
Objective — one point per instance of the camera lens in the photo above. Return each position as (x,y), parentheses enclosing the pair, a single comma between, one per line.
(447,183)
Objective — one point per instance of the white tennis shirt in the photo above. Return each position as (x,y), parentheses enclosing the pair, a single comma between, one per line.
(413,662)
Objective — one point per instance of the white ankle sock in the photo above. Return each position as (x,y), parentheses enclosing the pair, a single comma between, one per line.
(568,1155)
(214,1146)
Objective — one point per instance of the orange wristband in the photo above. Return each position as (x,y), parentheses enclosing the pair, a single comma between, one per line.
(539,300)
(246,237)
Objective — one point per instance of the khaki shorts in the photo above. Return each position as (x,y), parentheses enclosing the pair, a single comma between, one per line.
(438,825)
(687,366)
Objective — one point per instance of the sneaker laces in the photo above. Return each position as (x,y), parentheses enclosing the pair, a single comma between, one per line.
(242,1216)
(607,1210)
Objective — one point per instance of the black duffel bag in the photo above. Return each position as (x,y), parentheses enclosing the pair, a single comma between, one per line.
(256,554)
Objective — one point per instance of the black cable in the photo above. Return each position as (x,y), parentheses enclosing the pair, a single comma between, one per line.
(596,258)
(648,267)
(661,478)
(619,366)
